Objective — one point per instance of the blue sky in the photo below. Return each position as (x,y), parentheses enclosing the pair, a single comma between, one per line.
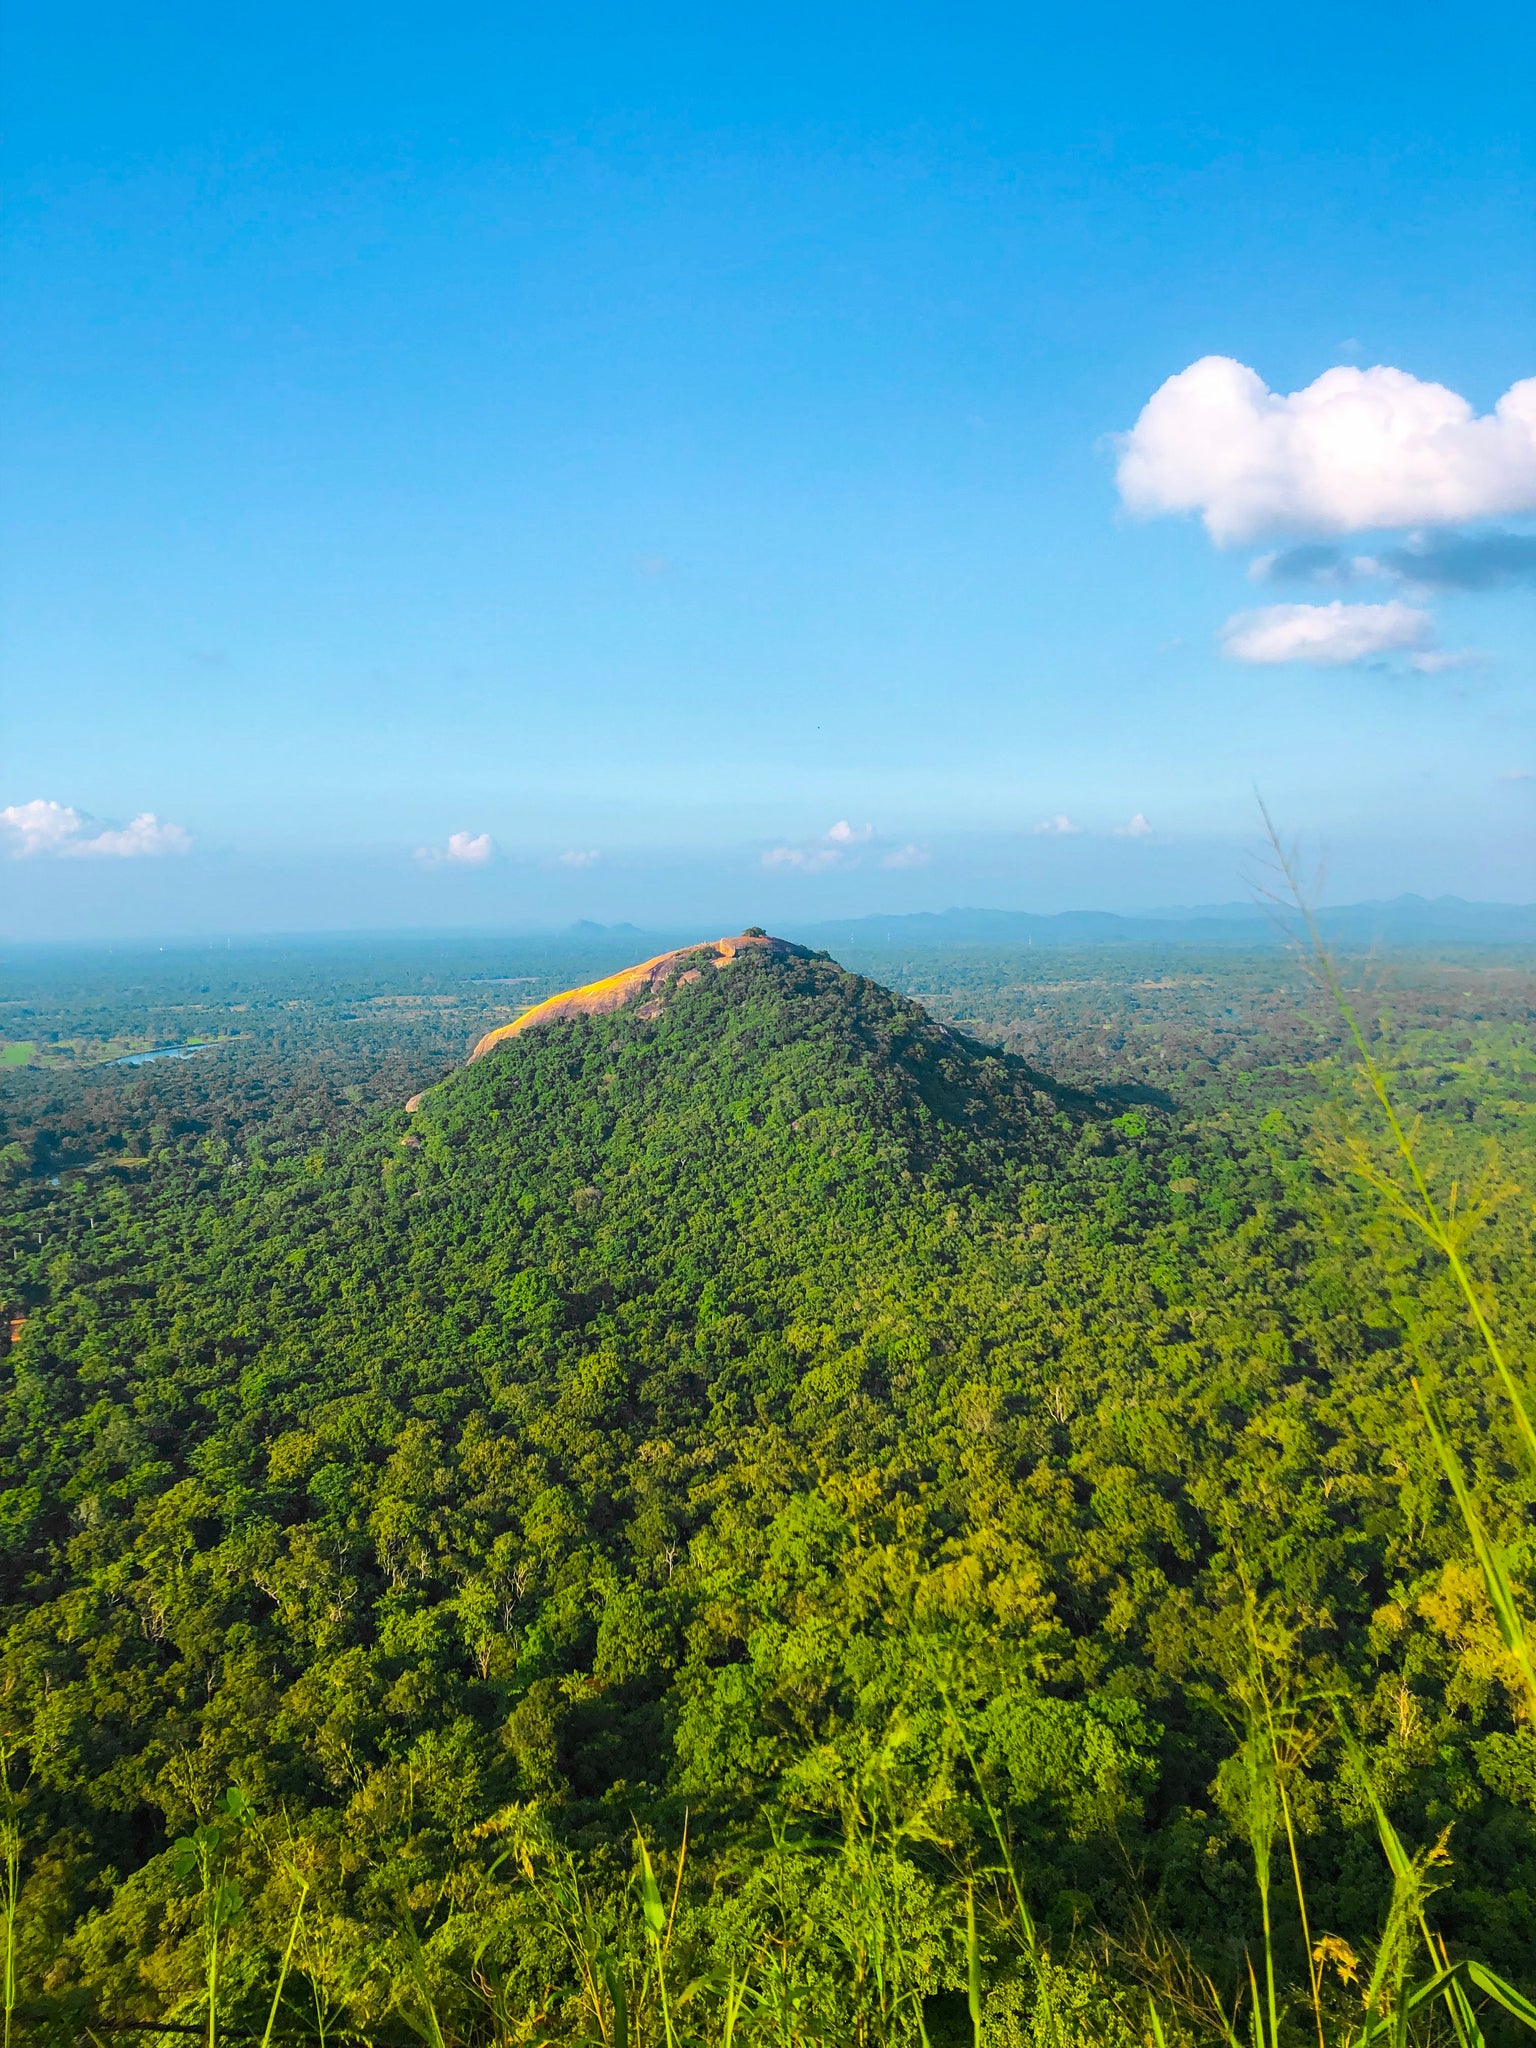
(482,463)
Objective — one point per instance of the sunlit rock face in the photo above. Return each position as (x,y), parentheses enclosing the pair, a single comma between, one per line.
(644,984)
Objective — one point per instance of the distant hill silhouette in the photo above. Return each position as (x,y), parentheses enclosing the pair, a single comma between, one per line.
(1401,921)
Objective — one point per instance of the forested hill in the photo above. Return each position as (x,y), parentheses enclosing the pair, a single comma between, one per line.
(729,1403)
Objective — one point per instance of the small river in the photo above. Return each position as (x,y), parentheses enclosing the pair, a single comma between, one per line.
(159,1052)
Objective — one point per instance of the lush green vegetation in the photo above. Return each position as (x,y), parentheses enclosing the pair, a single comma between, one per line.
(985,1517)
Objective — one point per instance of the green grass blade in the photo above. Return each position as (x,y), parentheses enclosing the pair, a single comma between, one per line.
(972,1964)
(282,1975)
(1501,1597)
(618,2001)
(1489,1982)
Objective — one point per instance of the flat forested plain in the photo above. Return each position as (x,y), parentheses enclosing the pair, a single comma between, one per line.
(884,1502)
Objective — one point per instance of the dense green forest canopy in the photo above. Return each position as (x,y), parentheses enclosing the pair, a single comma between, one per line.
(833,1421)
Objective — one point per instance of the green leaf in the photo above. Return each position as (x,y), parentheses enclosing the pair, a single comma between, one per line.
(650,1894)
(1495,1987)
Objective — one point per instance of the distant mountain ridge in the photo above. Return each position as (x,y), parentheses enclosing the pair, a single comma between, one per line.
(1403,920)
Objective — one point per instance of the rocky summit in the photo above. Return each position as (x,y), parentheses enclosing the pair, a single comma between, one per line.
(650,979)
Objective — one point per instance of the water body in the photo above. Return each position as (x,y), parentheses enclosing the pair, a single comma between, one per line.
(159,1052)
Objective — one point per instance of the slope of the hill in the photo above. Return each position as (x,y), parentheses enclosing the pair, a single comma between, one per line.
(784,1135)
(652,1418)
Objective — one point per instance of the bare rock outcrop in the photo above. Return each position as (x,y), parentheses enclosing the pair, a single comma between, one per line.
(643,984)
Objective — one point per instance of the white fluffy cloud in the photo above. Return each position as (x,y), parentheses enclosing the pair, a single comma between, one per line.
(1133,828)
(43,826)
(909,856)
(1331,635)
(1059,827)
(1355,450)
(464,849)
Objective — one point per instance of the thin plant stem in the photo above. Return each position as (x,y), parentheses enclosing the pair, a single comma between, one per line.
(1269,1959)
(1416,1205)
(282,1975)
(213,1979)
(1314,1968)
(1400,1863)
(972,1965)
(994,1819)
(10,1836)
(1262,1686)
(1422,1211)
(1501,1596)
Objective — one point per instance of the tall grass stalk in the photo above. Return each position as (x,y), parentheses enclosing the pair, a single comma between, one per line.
(424,2022)
(1256,1789)
(10,1884)
(658,1923)
(204,1854)
(994,1822)
(1026,1920)
(551,1874)
(1501,1595)
(1446,1227)
(282,1975)
(1408,1883)
(972,1966)
(1276,1745)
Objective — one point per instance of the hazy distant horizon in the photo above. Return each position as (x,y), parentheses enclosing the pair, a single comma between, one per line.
(1447,916)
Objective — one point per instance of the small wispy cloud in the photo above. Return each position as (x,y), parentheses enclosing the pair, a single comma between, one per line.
(1518,775)
(909,856)
(143,838)
(838,847)
(45,827)
(464,849)
(1442,661)
(1328,635)
(1059,827)
(809,859)
(580,857)
(1133,828)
